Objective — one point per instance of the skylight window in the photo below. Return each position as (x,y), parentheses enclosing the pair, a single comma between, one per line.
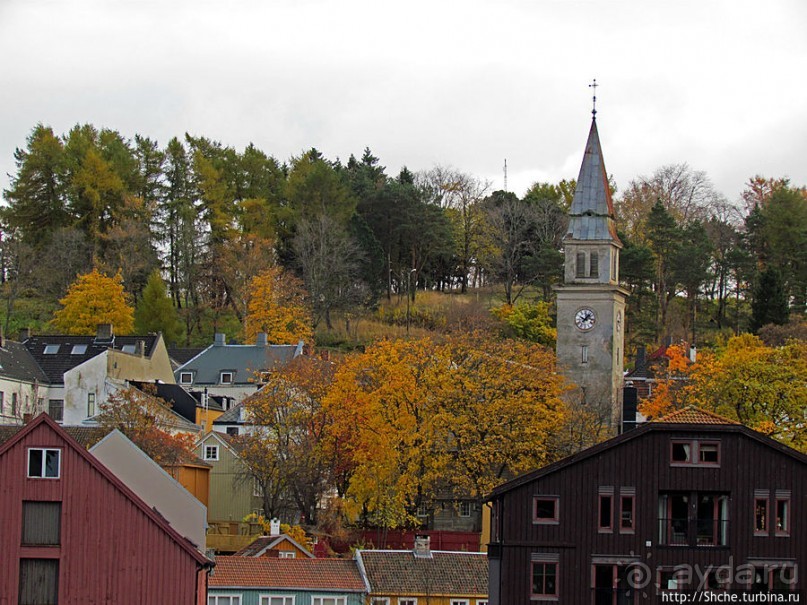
(79,350)
(128,349)
(51,349)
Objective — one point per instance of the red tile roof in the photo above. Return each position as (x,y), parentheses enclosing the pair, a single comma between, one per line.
(693,415)
(291,574)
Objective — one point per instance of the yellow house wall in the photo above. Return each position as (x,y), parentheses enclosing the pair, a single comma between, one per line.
(126,366)
(205,418)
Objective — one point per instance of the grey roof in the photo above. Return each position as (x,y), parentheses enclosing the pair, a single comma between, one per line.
(231,416)
(245,361)
(54,365)
(18,364)
(591,216)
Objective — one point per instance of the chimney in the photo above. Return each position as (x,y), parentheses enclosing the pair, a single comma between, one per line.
(25,334)
(630,399)
(423,547)
(641,357)
(219,339)
(693,354)
(140,348)
(274,528)
(103,333)
(261,340)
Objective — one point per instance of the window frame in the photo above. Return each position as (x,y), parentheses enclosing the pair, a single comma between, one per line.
(623,529)
(90,404)
(211,449)
(603,497)
(695,452)
(182,378)
(465,509)
(51,349)
(555,520)
(407,601)
(55,403)
(765,529)
(594,264)
(266,599)
(286,554)
(230,373)
(544,595)
(379,601)
(787,516)
(224,596)
(337,599)
(44,463)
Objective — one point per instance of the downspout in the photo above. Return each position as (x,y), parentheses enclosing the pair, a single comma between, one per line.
(207,569)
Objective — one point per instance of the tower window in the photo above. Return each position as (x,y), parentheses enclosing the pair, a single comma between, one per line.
(594,265)
(580,266)
(584,354)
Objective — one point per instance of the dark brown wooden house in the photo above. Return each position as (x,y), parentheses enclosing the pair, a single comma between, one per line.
(72,532)
(692,501)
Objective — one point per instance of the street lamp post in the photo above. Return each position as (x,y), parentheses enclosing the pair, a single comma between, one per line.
(408,296)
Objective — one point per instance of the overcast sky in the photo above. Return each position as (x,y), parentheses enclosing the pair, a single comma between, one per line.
(718,84)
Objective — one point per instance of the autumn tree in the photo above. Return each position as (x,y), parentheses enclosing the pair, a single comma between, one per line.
(93,299)
(670,374)
(762,387)
(285,453)
(278,306)
(532,322)
(148,422)
(155,312)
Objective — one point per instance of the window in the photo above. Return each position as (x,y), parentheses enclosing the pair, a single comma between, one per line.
(702,453)
(761,516)
(14,404)
(545,509)
(423,510)
(278,600)
(407,602)
(580,267)
(41,523)
(584,354)
(232,430)
(460,602)
(286,554)
(379,601)
(185,377)
(782,527)
(39,581)
(481,602)
(128,349)
(605,522)
(78,350)
(51,349)
(56,409)
(90,404)
(2,397)
(544,579)
(211,452)
(626,514)
(465,509)
(43,463)
(328,600)
(594,265)
(226,378)
(232,599)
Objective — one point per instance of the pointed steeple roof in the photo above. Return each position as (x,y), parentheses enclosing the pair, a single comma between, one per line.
(591,216)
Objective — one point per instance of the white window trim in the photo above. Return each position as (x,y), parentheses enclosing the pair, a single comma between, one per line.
(481,602)
(407,600)
(215,450)
(379,601)
(286,554)
(266,599)
(339,599)
(460,602)
(44,451)
(214,598)
(184,375)
(226,372)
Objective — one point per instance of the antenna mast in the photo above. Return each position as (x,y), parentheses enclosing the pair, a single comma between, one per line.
(505,174)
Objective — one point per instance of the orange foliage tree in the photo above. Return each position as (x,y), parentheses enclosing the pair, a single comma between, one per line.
(277,304)
(93,299)
(668,393)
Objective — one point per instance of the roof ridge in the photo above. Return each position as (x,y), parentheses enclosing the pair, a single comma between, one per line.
(692,414)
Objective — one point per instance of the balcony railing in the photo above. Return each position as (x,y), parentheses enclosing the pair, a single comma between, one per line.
(693,532)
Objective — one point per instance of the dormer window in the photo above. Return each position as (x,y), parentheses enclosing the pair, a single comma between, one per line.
(185,377)
(226,378)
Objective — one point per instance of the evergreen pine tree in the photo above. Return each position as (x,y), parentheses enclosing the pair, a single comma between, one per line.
(770,305)
(155,312)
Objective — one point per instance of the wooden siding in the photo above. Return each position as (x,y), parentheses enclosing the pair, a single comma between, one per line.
(111,551)
(643,464)
(231,493)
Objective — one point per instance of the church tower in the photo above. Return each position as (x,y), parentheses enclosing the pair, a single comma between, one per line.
(591,303)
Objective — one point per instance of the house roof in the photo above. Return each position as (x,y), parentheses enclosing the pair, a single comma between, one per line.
(182,402)
(693,415)
(670,425)
(264,543)
(231,416)
(243,360)
(233,442)
(335,575)
(71,351)
(181,355)
(99,468)
(591,216)
(86,436)
(444,573)
(17,363)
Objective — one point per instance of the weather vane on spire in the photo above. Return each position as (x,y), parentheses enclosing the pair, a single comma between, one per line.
(594,86)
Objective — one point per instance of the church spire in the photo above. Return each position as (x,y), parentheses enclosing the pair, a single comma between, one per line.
(591,216)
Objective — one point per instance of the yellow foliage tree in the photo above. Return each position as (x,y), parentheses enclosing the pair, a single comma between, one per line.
(93,299)
(277,305)
(667,395)
(762,387)
(457,416)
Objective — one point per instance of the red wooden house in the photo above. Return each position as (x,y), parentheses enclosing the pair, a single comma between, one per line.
(72,532)
(689,502)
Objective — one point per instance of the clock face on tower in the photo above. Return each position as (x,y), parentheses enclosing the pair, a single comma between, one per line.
(585,319)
